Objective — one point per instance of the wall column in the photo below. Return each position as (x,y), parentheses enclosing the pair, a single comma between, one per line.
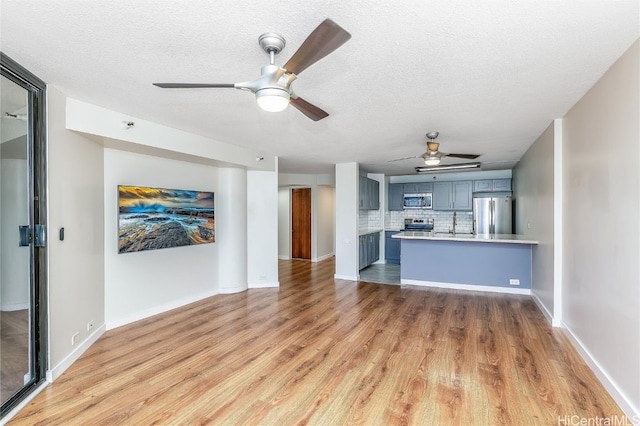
(231,229)
(347,221)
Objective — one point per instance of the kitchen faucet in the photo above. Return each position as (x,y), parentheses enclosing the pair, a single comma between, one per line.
(455,221)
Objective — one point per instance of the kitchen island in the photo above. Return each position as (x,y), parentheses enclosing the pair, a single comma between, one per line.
(499,263)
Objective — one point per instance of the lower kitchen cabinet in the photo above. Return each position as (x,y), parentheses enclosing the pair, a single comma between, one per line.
(391,248)
(369,249)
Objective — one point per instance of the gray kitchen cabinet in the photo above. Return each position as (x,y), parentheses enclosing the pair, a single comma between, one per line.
(391,248)
(396,197)
(452,196)
(369,194)
(489,185)
(483,185)
(369,249)
(501,184)
(374,194)
(363,193)
(418,187)
(362,249)
(442,196)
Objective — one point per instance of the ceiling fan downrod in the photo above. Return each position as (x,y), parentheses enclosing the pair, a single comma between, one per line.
(273,44)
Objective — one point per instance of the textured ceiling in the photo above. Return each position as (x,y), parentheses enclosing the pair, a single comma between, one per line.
(489,76)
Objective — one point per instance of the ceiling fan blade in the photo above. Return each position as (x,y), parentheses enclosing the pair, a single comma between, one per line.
(193,85)
(405,158)
(467,156)
(310,110)
(326,38)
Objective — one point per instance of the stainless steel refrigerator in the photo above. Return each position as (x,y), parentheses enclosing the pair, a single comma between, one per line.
(492,213)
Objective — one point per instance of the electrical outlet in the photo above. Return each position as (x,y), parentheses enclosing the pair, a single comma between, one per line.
(75,338)
(90,325)
(514,281)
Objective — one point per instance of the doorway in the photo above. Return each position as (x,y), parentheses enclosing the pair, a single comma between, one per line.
(22,231)
(301,223)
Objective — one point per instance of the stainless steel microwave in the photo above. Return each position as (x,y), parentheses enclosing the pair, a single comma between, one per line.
(418,201)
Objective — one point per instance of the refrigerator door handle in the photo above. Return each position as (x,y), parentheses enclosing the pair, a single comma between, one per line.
(493,223)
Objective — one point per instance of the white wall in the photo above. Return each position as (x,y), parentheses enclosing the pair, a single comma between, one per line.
(601,281)
(325,212)
(147,137)
(141,284)
(262,229)
(284,223)
(533,190)
(76,265)
(347,184)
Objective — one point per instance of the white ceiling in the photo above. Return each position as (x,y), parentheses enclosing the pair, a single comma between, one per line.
(489,76)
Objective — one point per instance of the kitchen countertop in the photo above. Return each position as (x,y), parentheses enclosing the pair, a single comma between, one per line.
(497,238)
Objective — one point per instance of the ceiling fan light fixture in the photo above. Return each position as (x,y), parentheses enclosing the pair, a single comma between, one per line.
(432,161)
(272,99)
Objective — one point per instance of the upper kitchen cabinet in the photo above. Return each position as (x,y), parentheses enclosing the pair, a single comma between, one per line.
(489,185)
(369,194)
(418,187)
(452,195)
(396,197)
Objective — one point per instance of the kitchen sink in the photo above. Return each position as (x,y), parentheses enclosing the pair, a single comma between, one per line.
(456,235)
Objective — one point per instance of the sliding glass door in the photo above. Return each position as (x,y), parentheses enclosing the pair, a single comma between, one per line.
(22,234)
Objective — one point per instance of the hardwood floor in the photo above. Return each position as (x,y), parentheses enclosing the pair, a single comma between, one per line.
(329,352)
(14,351)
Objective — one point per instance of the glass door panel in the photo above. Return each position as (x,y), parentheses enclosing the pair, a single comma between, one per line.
(15,255)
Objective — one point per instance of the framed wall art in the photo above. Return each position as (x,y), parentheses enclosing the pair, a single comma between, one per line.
(155,218)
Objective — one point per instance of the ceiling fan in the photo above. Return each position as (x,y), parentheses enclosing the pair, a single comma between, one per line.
(273,89)
(432,157)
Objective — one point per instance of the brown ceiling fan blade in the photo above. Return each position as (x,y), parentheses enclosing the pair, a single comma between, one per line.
(310,110)
(326,38)
(467,156)
(193,85)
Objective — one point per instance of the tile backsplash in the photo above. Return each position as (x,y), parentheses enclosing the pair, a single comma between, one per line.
(370,219)
(442,221)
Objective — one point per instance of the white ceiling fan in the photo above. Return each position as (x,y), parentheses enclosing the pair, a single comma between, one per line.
(433,156)
(273,89)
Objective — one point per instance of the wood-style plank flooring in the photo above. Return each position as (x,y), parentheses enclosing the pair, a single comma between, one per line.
(329,352)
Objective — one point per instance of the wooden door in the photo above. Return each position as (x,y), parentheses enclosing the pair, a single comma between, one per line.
(301,223)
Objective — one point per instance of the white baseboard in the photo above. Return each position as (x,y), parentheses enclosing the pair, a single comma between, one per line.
(619,397)
(137,316)
(346,277)
(57,371)
(543,309)
(23,404)
(284,257)
(471,287)
(232,290)
(264,285)
(15,307)
(321,258)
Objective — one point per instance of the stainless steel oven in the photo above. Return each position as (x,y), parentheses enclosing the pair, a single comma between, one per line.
(418,201)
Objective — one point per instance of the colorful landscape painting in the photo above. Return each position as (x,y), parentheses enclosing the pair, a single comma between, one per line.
(155,218)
